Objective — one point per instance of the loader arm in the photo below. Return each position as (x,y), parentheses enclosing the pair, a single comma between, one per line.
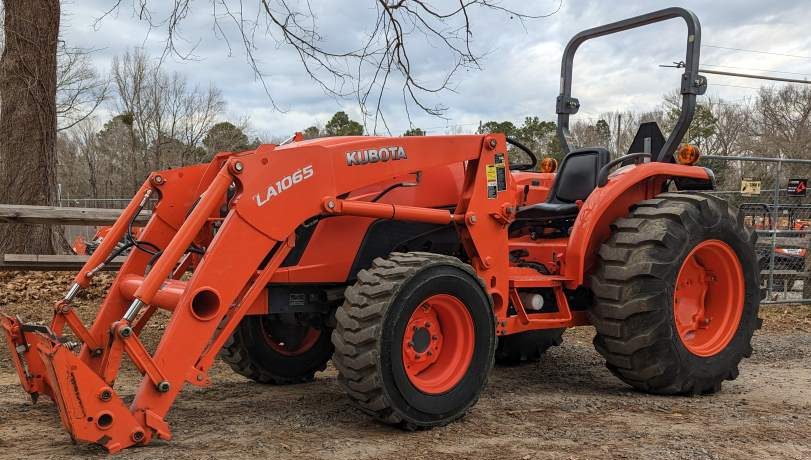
(275,189)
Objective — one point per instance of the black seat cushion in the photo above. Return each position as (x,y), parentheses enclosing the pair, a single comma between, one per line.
(575,180)
(547,211)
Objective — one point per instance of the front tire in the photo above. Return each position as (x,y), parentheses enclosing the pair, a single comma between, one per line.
(415,339)
(676,295)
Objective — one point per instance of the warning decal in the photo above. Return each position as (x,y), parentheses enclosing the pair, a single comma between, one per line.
(491,173)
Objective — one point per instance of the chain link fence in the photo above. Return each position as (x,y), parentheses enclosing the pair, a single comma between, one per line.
(104,203)
(771,194)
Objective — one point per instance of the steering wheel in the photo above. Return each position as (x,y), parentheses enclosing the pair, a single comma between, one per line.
(523,167)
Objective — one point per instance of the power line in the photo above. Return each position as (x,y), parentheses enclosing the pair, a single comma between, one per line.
(732,86)
(756,70)
(757,51)
(757,77)
(682,65)
(738,102)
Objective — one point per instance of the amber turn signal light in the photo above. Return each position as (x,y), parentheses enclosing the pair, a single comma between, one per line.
(687,154)
(549,165)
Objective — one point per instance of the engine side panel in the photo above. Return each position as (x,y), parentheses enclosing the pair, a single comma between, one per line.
(334,251)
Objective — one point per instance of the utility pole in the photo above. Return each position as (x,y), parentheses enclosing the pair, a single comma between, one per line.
(619,124)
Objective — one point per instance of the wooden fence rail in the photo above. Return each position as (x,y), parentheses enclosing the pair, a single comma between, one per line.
(50,215)
(57,262)
(18,214)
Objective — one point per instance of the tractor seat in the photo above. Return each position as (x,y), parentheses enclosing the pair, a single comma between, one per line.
(547,211)
(575,180)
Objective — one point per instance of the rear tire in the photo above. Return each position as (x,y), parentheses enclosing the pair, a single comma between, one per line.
(390,314)
(636,304)
(257,350)
(526,347)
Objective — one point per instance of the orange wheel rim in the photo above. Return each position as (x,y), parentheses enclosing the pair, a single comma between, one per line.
(708,298)
(438,344)
(286,348)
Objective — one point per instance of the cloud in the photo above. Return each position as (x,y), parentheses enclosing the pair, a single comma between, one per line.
(519,75)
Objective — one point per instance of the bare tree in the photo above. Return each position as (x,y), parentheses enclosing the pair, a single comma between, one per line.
(2,28)
(782,124)
(86,139)
(586,134)
(79,89)
(130,74)
(44,86)
(194,112)
(169,118)
(28,118)
(779,125)
(366,69)
(731,121)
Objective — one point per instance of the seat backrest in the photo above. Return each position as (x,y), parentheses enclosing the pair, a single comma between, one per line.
(577,175)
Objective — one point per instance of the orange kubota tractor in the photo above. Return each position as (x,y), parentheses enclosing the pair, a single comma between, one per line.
(418,260)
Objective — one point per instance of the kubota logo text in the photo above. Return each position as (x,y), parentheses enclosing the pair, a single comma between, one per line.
(283,184)
(362,157)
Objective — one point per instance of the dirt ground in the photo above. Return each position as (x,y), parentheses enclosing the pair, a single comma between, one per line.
(566,406)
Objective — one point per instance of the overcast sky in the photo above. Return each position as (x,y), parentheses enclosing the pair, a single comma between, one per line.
(520,69)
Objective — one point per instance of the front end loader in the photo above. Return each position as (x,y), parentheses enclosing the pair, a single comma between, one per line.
(413,263)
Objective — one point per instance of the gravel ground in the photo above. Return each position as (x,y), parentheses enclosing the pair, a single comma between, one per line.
(566,406)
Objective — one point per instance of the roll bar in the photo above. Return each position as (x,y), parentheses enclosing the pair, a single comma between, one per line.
(692,84)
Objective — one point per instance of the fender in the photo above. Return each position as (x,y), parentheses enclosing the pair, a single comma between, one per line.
(606,204)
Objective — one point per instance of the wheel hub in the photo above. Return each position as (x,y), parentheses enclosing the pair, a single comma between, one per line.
(708,298)
(289,339)
(423,339)
(438,344)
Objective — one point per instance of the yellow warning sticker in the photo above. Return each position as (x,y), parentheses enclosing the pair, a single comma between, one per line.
(491,173)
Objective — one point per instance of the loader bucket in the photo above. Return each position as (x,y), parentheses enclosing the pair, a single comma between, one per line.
(89,409)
